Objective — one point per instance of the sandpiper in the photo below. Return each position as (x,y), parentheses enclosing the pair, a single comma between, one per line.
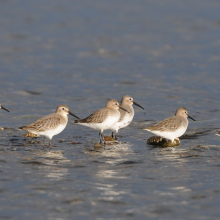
(104,118)
(218,134)
(1,107)
(51,124)
(173,127)
(125,117)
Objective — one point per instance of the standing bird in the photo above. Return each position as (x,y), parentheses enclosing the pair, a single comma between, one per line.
(1,107)
(104,118)
(125,117)
(51,124)
(173,127)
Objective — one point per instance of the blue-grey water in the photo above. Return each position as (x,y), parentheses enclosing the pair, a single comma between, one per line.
(165,54)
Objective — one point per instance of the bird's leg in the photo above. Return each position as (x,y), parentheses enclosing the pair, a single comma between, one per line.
(112,134)
(43,142)
(101,137)
(116,135)
(50,144)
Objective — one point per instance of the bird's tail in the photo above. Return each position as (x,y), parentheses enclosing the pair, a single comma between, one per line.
(80,121)
(23,128)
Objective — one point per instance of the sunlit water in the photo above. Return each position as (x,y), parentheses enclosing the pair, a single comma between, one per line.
(165,54)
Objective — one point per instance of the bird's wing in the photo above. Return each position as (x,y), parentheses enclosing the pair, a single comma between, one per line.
(47,122)
(169,124)
(96,117)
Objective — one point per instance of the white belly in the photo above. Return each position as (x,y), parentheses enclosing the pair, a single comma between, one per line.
(170,135)
(50,133)
(106,124)
(123,123)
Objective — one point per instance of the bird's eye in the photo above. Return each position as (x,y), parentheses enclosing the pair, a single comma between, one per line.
(116,103)
(63,108)
(130,99)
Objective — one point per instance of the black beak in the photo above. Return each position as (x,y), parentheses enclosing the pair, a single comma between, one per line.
(73,115)
(135,103)
(191,118)
(123,109)
(5,109)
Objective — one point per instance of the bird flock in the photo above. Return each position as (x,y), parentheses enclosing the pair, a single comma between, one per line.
(113,116)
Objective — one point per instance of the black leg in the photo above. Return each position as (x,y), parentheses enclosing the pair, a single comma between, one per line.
(101,137)
(50,144)
(112,134)
(43,142)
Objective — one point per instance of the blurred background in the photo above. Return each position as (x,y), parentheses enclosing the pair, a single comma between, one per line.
(67,51)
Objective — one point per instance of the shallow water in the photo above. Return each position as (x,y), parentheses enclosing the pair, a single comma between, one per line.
(164,54)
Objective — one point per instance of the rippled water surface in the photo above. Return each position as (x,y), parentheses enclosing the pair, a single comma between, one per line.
(165,54)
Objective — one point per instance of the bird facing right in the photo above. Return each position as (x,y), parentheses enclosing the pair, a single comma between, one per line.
(103,118)
(1,107)
(172,127)
(51,124)
(125,117)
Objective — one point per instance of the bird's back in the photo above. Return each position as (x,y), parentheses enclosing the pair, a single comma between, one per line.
(48,122)
(97,117)
(170,124)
